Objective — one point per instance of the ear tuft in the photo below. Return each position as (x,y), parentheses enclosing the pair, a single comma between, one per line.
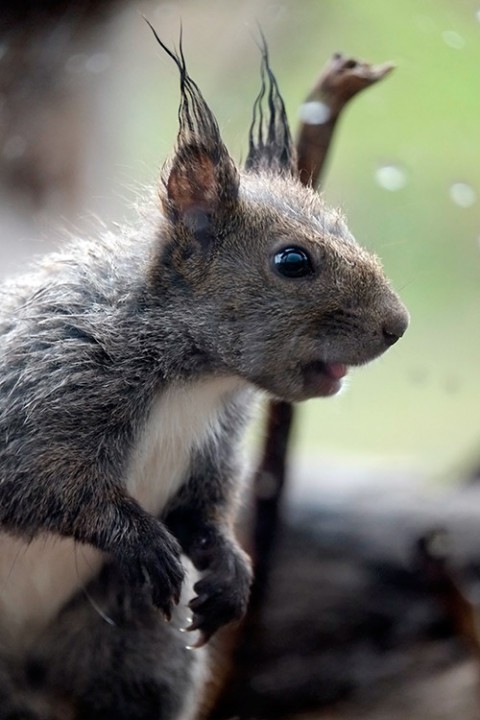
(202,176)
(270,142)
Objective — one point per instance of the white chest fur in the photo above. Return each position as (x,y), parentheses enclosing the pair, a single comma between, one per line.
(36,579)
(180,420)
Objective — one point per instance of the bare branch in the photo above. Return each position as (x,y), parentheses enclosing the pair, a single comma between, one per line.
(342,78)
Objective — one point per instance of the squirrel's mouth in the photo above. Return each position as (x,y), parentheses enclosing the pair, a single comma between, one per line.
(322,379)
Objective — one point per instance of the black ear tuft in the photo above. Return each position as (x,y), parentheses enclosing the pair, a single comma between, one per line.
(202,176)
(270,141)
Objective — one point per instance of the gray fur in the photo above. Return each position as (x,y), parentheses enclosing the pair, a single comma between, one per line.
(98,332)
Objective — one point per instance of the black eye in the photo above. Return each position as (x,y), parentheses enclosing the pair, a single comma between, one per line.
(292,262)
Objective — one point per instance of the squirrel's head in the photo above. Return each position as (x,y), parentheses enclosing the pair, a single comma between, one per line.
(277,290)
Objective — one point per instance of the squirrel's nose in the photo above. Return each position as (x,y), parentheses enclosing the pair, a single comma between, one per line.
(395,326)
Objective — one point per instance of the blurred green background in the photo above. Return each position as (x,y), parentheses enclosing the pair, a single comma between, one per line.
(420,402)
(405,168)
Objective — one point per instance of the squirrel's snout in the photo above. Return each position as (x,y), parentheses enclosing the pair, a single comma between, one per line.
(395,326)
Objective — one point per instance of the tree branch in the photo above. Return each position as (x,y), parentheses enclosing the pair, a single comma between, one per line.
(342,78)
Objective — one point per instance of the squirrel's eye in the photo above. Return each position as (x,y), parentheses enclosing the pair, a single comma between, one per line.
(292,262)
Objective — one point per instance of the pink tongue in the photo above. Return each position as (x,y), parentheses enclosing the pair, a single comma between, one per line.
(336,370)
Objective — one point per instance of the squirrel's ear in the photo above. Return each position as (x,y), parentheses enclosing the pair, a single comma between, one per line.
(202,179)
(270,142)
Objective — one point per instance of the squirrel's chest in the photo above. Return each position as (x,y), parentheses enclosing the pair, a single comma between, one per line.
(37,578)
(180,420)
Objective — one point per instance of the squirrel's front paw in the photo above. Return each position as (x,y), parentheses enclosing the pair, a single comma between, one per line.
(222,594)
(155,561)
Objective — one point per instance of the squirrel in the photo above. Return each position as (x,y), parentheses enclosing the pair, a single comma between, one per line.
(128,365)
